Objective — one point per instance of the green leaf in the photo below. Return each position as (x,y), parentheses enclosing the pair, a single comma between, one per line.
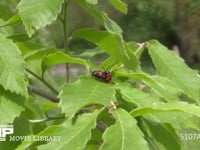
(124,134)
(89,54)
(179,120)
(12,75)
(33,51)
(93,2)
(27,47)
(11,106)
(168,107)
(119,5)
(168,64)
(165,84)
(33,109)
(169,139)
(74,135)
(136,96)
(19,37)
(7,30)
(84,92)
(110,25)
(36,14)
(40,53)
(109,43)
(95,140)
(60,58)
(108,63)
(103,18)
(136,48)
(157,83)
(5,7)
(13,20)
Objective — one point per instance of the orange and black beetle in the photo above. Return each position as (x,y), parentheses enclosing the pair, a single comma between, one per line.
(104,75)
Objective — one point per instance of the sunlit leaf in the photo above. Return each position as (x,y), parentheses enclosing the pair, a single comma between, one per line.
(75,96)
(61,58)
(36,14)
(136,96)
(111,44)
(168,107)
(40,53)
(168,64)
(119,5)
(165,84)
(13,20)
(33,51)
(93,2)
(26,47)
(7,30)
(11,106)
(12,75)
(179,120)
(110,25)
(124,134)
(157,83)
(103,18)
(74,134)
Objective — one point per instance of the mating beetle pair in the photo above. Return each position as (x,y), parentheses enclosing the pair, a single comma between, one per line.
(103,75)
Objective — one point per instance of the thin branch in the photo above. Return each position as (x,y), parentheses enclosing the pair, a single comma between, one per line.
(60,18)
(65,28)
(42,80)
(44,94)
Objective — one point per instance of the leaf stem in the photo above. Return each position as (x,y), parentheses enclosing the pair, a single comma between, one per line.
(42,80)
(65,28)
(141,45)
(42,93)
(47,119)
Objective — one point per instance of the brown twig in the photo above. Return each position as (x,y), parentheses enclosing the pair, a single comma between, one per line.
(42,80)
(42,93)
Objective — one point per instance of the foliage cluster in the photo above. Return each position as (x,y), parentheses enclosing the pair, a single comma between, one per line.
(136,110)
